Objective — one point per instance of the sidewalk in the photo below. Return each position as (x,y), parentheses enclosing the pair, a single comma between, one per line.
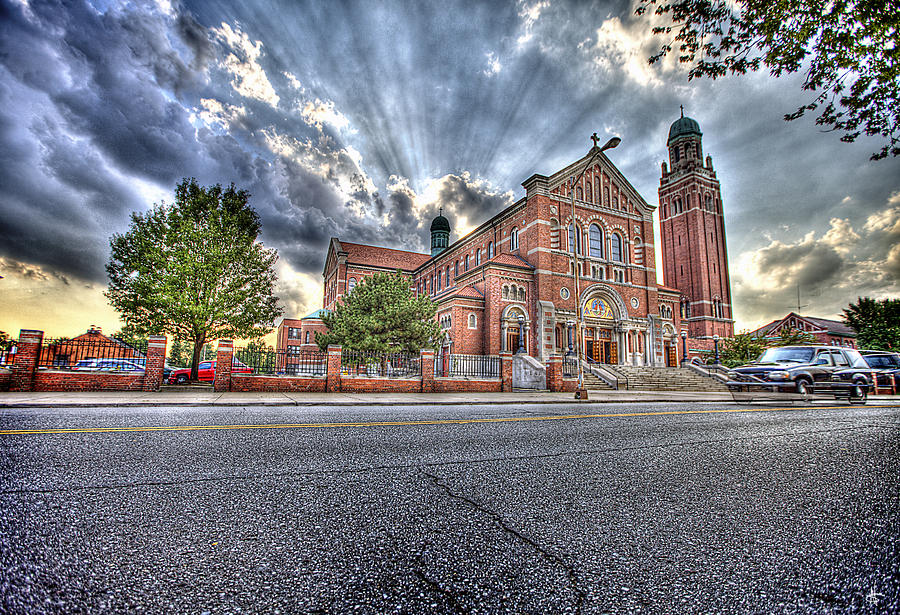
(195,397)
(201,397)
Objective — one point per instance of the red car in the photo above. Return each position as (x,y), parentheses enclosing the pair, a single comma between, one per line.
(206,371)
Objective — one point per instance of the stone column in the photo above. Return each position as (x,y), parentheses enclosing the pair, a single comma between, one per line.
(506,371)
(503,330)
(156,359)
(28,351)
(333,367)
(224,359)
(427,363)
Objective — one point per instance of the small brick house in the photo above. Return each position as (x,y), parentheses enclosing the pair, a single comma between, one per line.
(511,280)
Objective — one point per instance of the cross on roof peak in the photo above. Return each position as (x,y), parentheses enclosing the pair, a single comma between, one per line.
(682,110)
(595,138)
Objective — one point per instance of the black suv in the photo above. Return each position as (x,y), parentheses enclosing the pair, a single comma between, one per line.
(885,367)
(805,370)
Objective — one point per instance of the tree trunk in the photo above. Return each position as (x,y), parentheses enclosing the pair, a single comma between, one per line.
(195,359)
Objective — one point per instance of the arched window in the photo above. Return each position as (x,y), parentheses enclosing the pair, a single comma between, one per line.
(521,294)
(506,292)
(615,204)
(473,322)
(615,248)
(709,203)
(554,234)
(307,338)
(514,239)
(595,241)
(466,264)
(456,269)
(575,238)
(477,257)
(351,284)
(677,205)
(579,193)
(677,152)
(439,276)
(597,189)
(447,275)
(606,196)
(490,250)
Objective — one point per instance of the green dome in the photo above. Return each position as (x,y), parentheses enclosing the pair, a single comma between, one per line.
(440,224)
(684,126)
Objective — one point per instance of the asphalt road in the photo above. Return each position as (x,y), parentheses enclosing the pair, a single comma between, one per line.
(451,510)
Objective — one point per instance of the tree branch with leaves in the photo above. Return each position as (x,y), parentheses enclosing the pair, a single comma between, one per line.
(849,50)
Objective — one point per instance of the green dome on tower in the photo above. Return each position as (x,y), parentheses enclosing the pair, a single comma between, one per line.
(440,234)
(684,126)
(440,223)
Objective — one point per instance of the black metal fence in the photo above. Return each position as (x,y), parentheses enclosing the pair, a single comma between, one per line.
(466,366)
(7,353)
(103,354)
(569,366)
(381,364)
(290,362)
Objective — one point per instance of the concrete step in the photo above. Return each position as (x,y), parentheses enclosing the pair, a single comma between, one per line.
(644,378)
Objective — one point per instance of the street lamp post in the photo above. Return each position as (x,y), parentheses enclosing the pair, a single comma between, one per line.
(521,349)
(580,391)
(716,346)
(683,347)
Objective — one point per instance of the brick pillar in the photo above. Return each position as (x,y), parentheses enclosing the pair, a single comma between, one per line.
(156,358)
(554,373)
(333,373)
(28,351)
(427,362)
(506,371)
(224,358)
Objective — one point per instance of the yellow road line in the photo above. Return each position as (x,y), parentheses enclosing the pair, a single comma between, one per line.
(560,417)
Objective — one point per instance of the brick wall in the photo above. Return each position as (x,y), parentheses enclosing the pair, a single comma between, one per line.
(26,376)
(246,383)
(51,380)
(5,379)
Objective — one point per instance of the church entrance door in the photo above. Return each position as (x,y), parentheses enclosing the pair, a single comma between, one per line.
(512,339)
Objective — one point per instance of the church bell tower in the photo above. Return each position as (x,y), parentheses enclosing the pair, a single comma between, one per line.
(440,234)
(692,229)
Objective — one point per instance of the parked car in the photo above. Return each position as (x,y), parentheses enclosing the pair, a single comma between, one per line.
(206,372)
(885,369)
(804,370)
(107,365)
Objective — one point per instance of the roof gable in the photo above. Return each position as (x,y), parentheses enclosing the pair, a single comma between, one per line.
(386,258)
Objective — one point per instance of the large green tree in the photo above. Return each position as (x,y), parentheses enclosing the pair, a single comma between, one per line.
(848,49)
(194,269)
(876,322)
(381,314)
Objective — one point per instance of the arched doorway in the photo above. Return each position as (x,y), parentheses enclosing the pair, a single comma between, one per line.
(602,310)
(515,325)
(670,346)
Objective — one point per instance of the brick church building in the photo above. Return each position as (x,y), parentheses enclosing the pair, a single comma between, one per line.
(512,278)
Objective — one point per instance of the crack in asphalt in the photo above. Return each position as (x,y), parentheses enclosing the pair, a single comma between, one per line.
(442,591)
(431,464)
(506,527)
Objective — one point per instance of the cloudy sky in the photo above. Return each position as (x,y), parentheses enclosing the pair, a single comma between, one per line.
(359,120)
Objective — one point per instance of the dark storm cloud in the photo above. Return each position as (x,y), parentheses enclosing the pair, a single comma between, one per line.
(102,111)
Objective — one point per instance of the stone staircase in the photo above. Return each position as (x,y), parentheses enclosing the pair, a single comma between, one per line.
(656,379)
(592,383)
